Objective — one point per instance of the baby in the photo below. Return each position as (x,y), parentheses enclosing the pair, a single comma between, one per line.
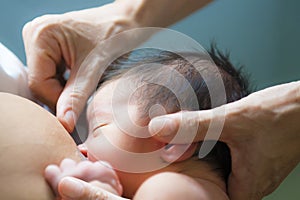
(139,86)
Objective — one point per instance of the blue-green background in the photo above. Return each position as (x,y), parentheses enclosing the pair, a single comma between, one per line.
(263,35)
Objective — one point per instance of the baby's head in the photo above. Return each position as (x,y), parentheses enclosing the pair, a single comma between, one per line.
(147,83)
(169,82)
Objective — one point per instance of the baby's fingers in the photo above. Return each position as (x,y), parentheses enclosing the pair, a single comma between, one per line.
(52,175)
(75,189)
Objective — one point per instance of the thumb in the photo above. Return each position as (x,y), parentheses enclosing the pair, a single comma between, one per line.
(71,103)
(80,85)
(241,188)
(189,126)
(74,189)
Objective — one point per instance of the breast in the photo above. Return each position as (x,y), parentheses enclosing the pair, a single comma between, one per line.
(30,139)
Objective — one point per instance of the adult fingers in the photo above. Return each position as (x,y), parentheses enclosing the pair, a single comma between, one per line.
(239,189)
(43,53)
(189,126)
(244,179)
(80,85)
(42,83)
(74,189)
(84,77)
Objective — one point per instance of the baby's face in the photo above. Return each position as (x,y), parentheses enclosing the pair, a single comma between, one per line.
(116,134)
(119,136)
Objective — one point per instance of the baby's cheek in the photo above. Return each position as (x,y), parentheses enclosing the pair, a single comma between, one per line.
(99,147)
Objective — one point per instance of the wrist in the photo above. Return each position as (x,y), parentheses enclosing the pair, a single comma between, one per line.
(118,11)
(135,11)
(146,13)
(159,13)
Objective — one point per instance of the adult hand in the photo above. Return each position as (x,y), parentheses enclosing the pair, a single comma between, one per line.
(261,130)
(78,41)
(74,41)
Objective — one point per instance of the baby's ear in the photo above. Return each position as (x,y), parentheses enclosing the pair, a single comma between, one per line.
(178,152)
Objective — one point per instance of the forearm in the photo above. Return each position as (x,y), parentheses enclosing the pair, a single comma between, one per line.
(160,13)
(122,15)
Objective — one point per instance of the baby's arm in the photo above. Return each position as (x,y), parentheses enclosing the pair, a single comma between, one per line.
(172,186)
(98,173)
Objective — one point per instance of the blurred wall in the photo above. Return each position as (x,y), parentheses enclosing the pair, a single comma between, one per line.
(261,35)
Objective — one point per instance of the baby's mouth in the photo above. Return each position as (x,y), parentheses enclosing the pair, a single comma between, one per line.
(83,149)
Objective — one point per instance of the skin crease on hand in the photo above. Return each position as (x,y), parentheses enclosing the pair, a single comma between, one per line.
(30,139)
(262,132)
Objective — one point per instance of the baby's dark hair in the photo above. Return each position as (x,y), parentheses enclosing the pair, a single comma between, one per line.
(167,78)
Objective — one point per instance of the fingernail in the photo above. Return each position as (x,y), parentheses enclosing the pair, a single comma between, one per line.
(71,188)
(70,120)
(162,126)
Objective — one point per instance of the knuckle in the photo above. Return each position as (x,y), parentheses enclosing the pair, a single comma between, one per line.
(39,26)
(43,19)
(99,195)
(26,29)
(258,196)
(33,84)
(78,95)
(192,119)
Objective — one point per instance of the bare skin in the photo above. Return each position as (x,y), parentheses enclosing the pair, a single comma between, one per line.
(264,126)
(31,138)
(54,43)
(57,39)
(190,179)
